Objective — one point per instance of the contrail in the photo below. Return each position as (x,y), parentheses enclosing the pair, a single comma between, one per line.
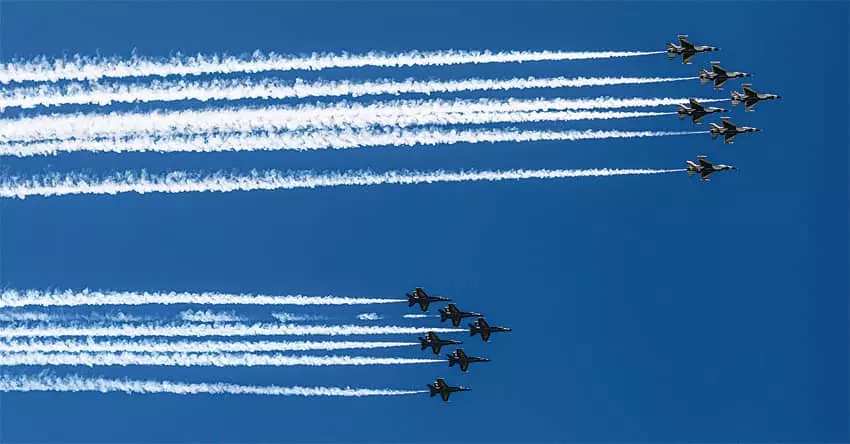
(208,316)
(159,346)
(184,182)
(419,316)
(402,113)
(369,316)
(76,383)
(21,298)
(271,89)
(197,359)
(93,68)
(198,330)
(323,139)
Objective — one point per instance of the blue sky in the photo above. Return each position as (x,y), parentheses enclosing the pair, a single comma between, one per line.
(645,309)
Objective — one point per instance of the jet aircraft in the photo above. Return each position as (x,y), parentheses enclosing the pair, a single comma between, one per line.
(719,75)
(729,130)
(750,97)
(451,312)
(420,297)
(432,340)
(687,49)
(444,389)
(459,357)
(697,111)
(705,168)
(481,326)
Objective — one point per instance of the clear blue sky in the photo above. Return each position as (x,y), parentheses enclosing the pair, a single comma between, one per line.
(645,309)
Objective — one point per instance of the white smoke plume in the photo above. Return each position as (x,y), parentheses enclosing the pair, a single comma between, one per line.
(209,316)
(369,317)
(170,346)
(197,359)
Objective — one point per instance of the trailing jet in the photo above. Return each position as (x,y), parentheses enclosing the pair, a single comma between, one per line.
(687,49)
(729,130)
(750,97)
(697,111)
(706,168)
(451,312)
(420,297)
(719,74)
(432,340)
(459,357)
(444,389)
(481,326)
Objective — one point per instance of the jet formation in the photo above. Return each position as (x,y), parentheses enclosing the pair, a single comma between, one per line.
(435,343)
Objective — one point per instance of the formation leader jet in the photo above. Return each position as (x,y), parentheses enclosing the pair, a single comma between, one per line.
(461,358)
(697,111)
(444,389)
(719,75)
(729,130)
(451,312)
(750,97)
(420,297)
(687,49)
(481,326)
(432,340)
(705,168)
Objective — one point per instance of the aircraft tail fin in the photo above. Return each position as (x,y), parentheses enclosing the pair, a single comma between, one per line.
(443,315)
(473,329)
(452,360)
(671,47)
(682,112)
(736,98)
(433,390)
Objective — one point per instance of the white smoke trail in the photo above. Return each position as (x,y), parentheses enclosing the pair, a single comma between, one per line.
(93,68)
(315,140)
(403,113)
(198,330)
(21,298)
(290,317)
(158,346)
(76,383)
(208,316)
(369,317)
(419,316)
(183,182)
(24,316)
(197,359)
(270,89)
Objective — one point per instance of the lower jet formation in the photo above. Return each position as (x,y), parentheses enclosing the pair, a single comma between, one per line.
(420,297)
(432,340)
(451,312)
(750,97)
(705,168)
(719,75)
(444,389)
(461,358)
(729,130)
(697,111)
(481,326)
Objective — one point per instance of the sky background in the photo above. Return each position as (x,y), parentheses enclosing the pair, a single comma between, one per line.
(644,309)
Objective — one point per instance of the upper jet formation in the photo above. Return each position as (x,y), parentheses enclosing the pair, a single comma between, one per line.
(705,168)
(750,97)
(729,130)
(687,49)
(481,326)
(420,297)
(451,312)
(697,111)
(719,75)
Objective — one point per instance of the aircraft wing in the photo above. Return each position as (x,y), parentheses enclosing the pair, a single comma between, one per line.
(695,105)
(460,353)
(445,395)
(727,138)
(705,174)
(687,56)
(728,125)
(431,336)
(750,104)
(683,41)
(705,163)
(696,117)
(718,69)
(485,335)
(452,308)
(720,81)
(420,293)
(749,91)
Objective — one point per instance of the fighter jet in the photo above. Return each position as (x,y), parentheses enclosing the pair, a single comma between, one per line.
(687,49)
(444,389)
(432,340)
(730,130)
(697,111)
(459,357)
(481,326)
(705,168)
(750,98)
(719,74)
(420,297)
(451,312)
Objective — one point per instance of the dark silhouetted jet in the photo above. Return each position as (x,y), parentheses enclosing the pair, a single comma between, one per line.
(719,75)
(444,389)
(432,340)
(729,130)
(705,168)
(687,49)
(750,97)
(481,326)
(420,297)
(451,312)
(697,111)
(461,358)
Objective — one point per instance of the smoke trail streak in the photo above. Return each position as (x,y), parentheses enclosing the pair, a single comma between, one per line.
(76,383)
(315,140)
(68,298)
(270,89)
(197,360)
(198,330)
(402,113)
(419,316)
(208,316)
(369,317)
(290,317)
(182,182)
(155,346)
(93,68)
(24,316)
